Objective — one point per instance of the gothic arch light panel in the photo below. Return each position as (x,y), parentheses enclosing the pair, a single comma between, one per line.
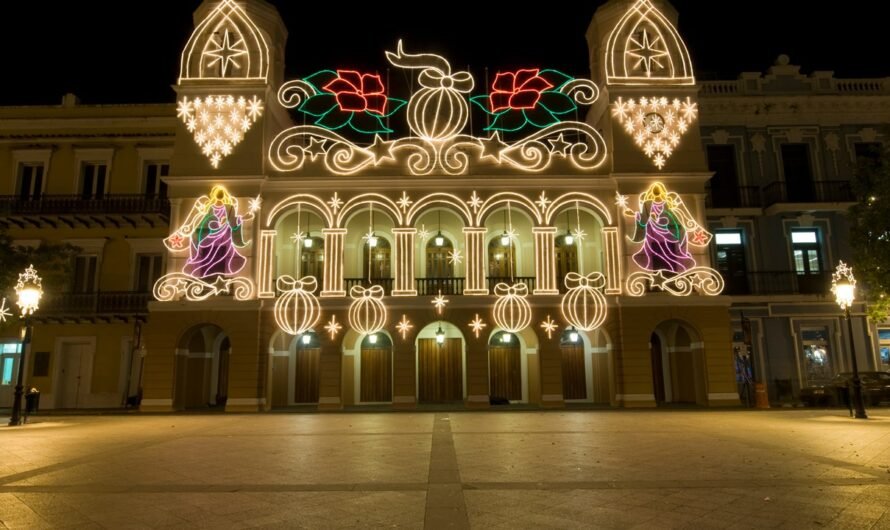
(646,49)
(226,45)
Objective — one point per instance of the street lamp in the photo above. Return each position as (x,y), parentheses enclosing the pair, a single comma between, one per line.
(843,285)
(28,292)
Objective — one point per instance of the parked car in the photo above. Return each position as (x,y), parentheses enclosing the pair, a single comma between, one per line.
(875,389)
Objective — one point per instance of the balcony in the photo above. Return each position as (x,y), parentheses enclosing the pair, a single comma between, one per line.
(77,211)
(768,283)
(108,306)
(432,286)
(826,191)
(741,197)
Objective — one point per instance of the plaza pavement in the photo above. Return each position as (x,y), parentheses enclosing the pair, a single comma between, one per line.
(566,469)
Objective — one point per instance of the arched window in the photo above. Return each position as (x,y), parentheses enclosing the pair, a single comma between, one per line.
(437,261)
(566,258)
(312,258)
(376,262)
(502,258)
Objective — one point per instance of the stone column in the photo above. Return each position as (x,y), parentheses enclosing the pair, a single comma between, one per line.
(545,260)
(333,262)
(404,258)
(475,244)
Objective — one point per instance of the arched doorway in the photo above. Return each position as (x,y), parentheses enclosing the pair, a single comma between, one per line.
(574,366)
(306,352)
(375,369)
(202,368)
(440,364)
(504,368)
(678,364)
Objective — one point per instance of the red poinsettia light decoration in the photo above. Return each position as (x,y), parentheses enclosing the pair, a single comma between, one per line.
(357,92)
(520,90)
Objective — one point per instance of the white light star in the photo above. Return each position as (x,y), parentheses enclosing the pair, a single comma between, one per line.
(333,327)
(255,204)
(549,327)
(621,200)
(455,257)
(405,202)
(336,202)
(423,233)
(4,311)
(440,302)
(543,202)
(579,234)
(477,325)
(298,237)
(404,326)
(475,202)
(226,53)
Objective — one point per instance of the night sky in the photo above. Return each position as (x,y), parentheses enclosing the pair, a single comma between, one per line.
(58,47)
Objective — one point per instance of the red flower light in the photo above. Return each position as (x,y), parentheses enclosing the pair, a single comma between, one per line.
(358,92)
(517,90)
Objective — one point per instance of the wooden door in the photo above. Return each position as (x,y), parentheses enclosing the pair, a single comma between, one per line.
(279,381)
(307,375)
(376,375)
(657,368)
(574,376)
(683,380)
(505,372)
(70,388)
(440,370)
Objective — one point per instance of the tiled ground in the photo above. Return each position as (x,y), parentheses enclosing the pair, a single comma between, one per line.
(606,469)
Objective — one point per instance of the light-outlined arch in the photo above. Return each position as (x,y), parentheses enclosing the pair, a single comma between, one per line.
(226,42)
(508,198)
(285,207)
(368,199)
(645,48)
(569,200)
(439,198)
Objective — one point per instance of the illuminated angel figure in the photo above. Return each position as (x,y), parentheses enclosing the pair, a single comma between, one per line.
(213,230)
(665,228)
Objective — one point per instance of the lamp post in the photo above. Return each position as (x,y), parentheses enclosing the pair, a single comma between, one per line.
(28,292)
(843,285)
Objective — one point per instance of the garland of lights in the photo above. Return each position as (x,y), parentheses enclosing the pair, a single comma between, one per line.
(437,115)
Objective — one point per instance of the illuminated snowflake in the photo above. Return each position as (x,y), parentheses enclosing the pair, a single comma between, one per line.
(255,204)
(477,325)
(333,327)
(185,110)
(543,202)
(549,327)
(455,257)
(405,202)
(335,203)
(621,200)
(4,311)
(404,326)
(255,108)
(475,202)
(579,234)
(298,237)
(423,233)
(440,302)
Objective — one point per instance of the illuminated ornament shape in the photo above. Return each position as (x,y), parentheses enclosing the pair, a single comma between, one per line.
(367,314)
(404,326)
(212,234)
(4,311)
(549,326)
(219,123)
(656,124)
(512,312)
(227,44)
(526,97)
(584,306)
(437,115)
(333,327)
(645,48)
(665,228)
(297,310)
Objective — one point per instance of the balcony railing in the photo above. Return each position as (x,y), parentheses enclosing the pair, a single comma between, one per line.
(87,211)
(529,281)
(95,304)
(823,191)
(776,283)
(386,283)
(432,286)
(741,197)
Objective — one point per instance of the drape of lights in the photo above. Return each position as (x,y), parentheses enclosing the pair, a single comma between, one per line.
(367,313)
(297,310)
(212,234)
(656,124)
(438,115)
(665,228)
(644,48)
(219,123)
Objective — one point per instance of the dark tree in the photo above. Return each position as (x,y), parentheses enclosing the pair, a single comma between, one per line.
(870,231)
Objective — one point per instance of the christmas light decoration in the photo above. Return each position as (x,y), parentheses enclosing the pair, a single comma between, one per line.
(656,124)
(333,327)
(219,123)
(437,115)
(663,226)
(367,313)
(404,326)
(212,233)
(440,302)
(297,310)
(549,327)
(512,312)
(455,257)
(584,306)
(843,286)
(241,53)
(644,48)
(477,325)
(28,291)
(4,311)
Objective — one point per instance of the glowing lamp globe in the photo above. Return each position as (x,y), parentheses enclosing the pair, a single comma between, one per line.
(307,339)
(372,338)
(440,336)
(569,239)
(440,240)
(308,242)
(372,241)
(573,336)
(505,240)
(845,293)
(29,291)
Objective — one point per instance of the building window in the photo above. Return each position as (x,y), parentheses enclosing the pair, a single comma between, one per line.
(30,183)
(12,347)
(731,260)
(798,172)
(85,268)
(154,173)
(884,348)
(807,252)
(148,269)
(438,264)
(377,261)
(725,182)
(8,363)
(817,356)
(93,181)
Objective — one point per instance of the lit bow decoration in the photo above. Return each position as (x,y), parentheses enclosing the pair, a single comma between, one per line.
(287,283)
(436,70)
(594,280)
(375,292)
(519,290)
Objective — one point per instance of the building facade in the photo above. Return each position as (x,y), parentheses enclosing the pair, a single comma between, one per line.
(330,241)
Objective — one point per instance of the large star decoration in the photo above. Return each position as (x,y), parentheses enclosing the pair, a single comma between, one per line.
(549,327)
(647,53)
(226,53)
(440,302)
(381,150)
(492,147)
(404,326)
(4,311)
(477,325)
(333,327)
